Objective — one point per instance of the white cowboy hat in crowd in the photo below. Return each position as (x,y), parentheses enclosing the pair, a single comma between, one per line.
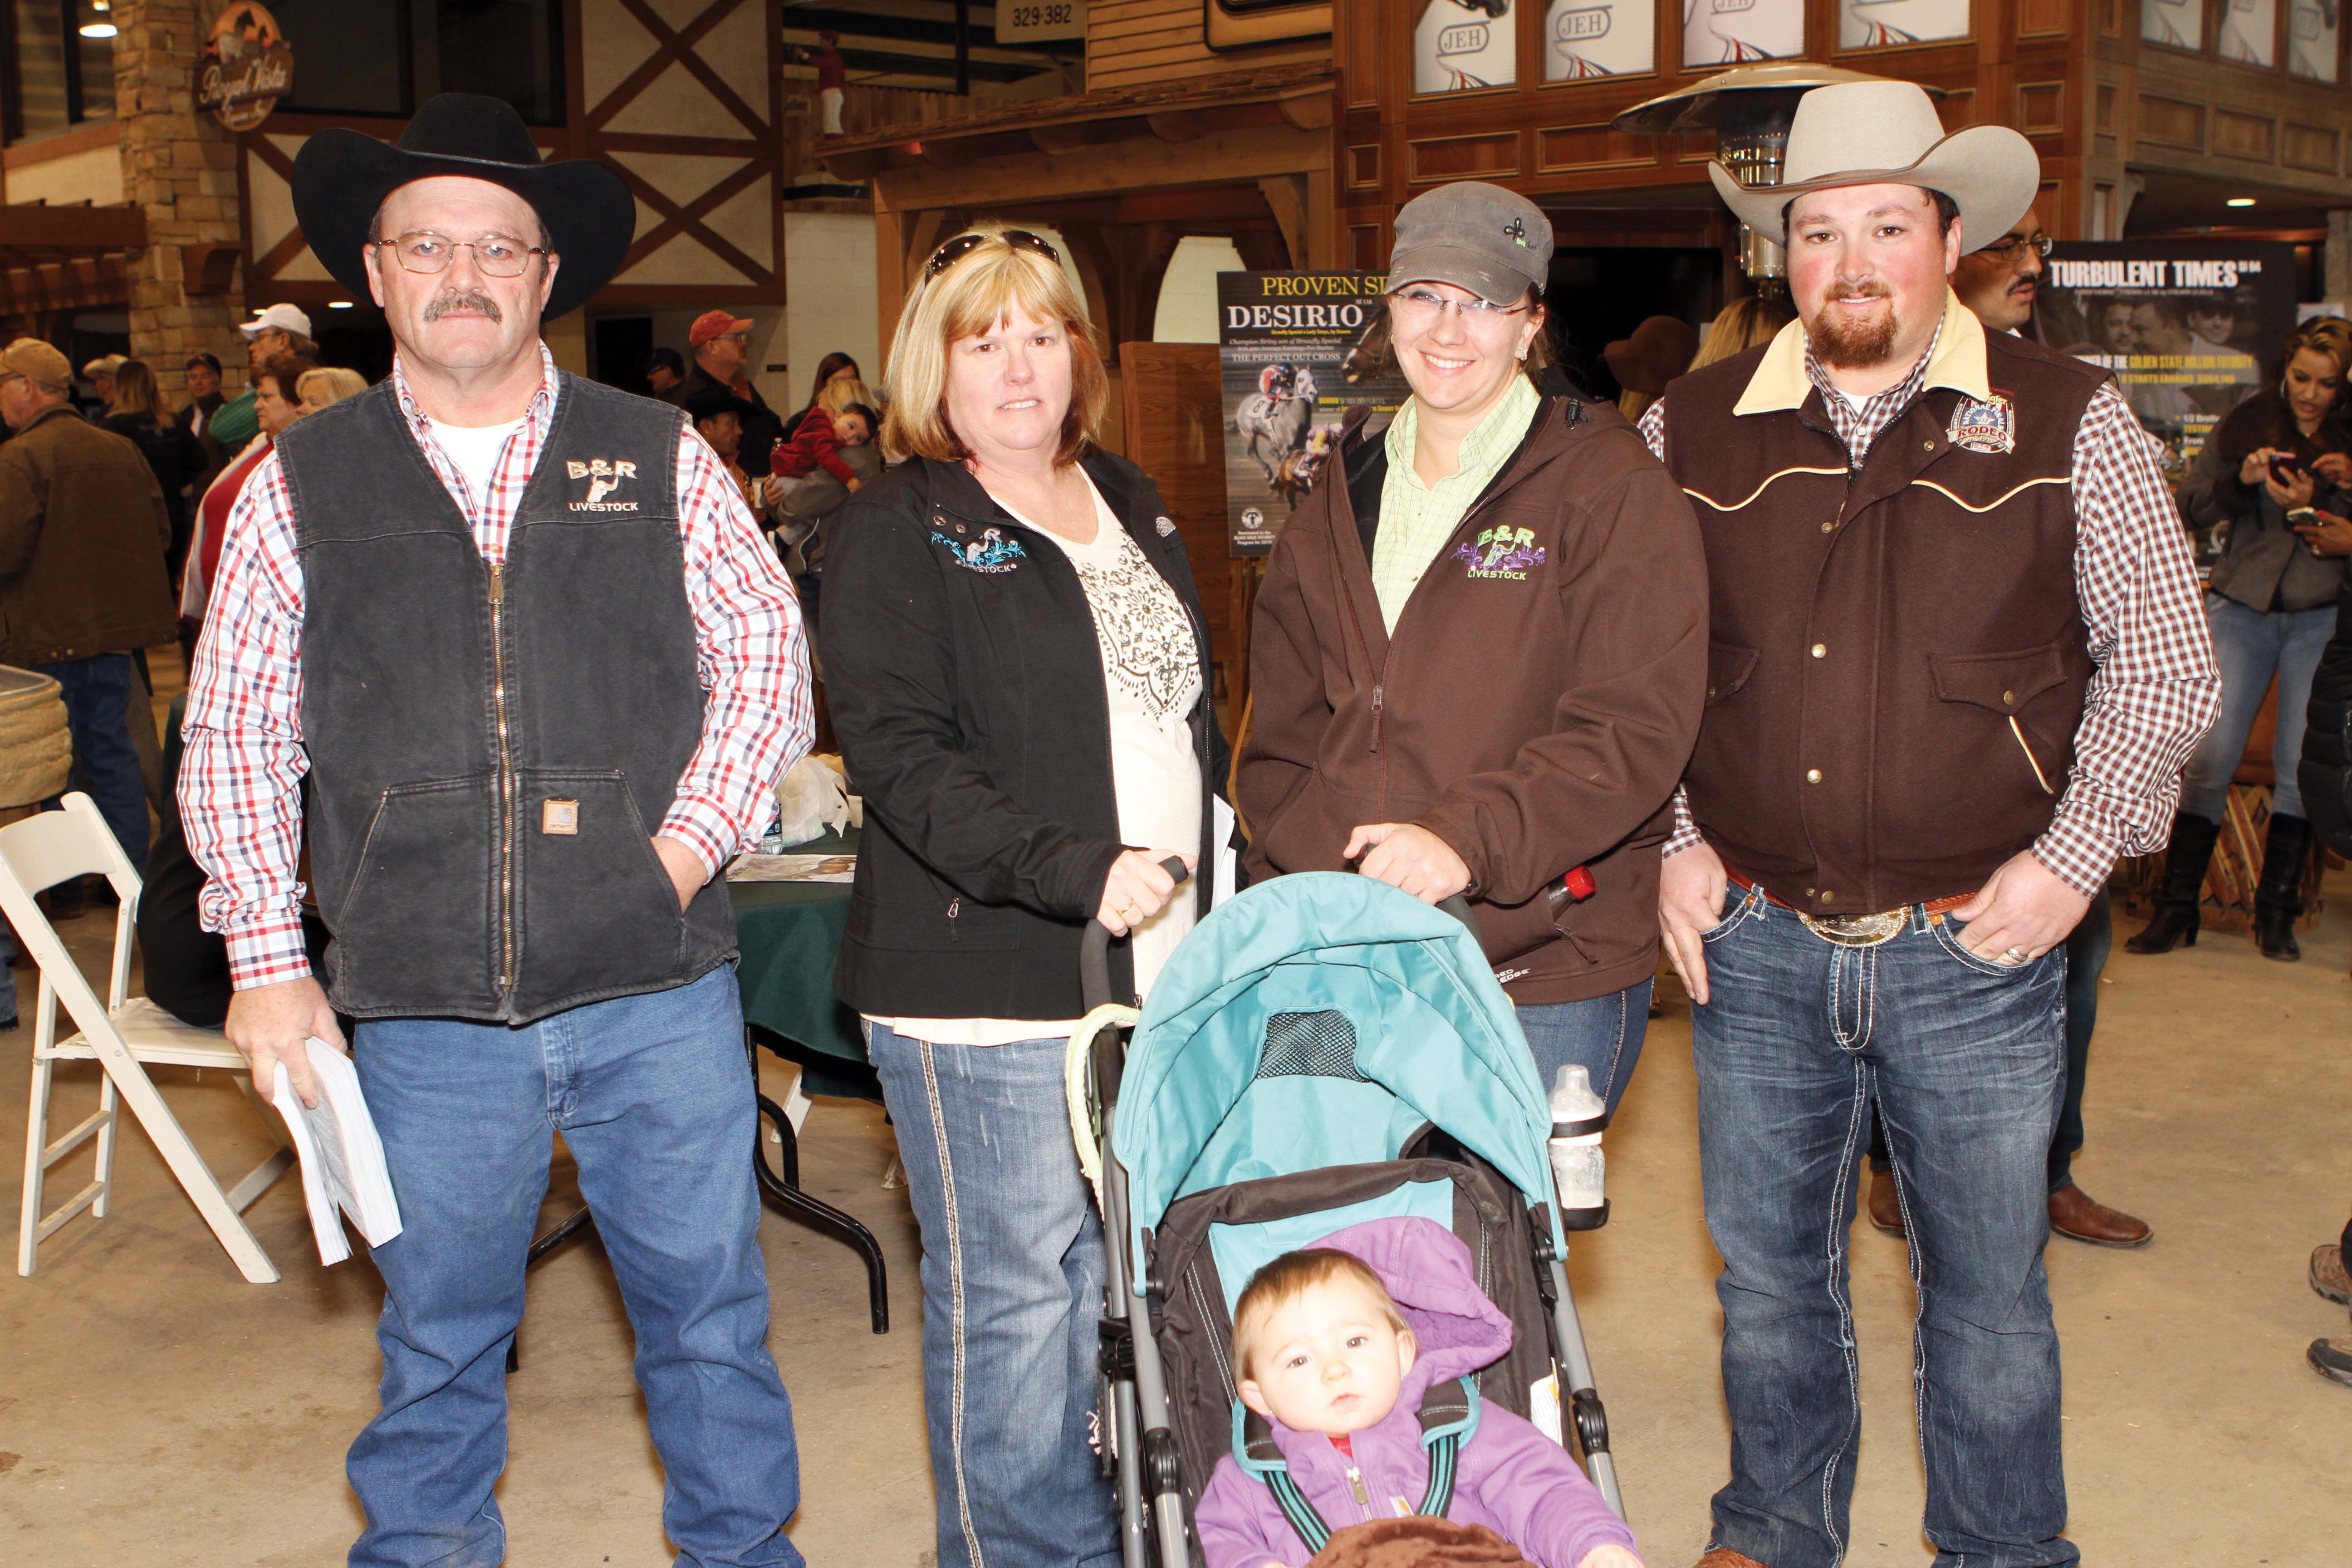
(1886,133)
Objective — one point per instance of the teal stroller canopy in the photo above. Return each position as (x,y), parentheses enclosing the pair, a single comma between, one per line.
(1320,1019)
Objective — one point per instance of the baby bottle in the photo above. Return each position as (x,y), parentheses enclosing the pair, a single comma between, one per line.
(1577,1162)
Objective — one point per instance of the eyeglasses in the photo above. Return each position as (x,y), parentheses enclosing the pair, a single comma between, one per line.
(728,338)
(2005,249)
(963,245)
(1418,307)
(495,255)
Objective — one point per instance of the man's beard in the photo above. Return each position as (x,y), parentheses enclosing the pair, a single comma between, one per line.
(1855,345)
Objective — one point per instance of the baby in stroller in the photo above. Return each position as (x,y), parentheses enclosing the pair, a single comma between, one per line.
(1354,1356)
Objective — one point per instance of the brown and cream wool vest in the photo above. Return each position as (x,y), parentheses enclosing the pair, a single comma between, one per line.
(1896,656)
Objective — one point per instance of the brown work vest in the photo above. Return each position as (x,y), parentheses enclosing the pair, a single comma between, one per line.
(1896,659)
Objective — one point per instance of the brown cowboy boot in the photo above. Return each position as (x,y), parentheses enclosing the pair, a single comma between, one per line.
(2075,1213)
(1886,1208)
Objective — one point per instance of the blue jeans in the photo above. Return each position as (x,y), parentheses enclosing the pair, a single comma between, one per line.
(2250,646)
(98,693)
(653,1095)
(1965,1059)
(2087,946)
(1603,1033)
(1012,1284)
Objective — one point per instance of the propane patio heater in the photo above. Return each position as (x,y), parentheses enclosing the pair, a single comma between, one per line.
(1748,109)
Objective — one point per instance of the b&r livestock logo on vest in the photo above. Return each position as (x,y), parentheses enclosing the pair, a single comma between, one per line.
(1505,554)
(603,476)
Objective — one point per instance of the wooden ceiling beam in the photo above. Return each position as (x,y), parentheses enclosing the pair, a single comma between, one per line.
(1307,111)
(1143,164)
(72,228)
(1075,136)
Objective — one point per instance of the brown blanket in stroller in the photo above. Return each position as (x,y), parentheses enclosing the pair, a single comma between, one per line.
(1417,1542)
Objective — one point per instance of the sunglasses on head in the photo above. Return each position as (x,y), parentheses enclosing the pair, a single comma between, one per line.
(963,245)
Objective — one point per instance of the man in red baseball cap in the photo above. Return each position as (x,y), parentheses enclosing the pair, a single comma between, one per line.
(721,345)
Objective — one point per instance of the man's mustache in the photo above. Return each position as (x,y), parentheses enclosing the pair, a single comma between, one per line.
(476,300)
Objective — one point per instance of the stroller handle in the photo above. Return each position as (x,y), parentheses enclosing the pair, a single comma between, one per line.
(1094,948)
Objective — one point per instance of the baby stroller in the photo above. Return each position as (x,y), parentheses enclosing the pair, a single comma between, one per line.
(1322,1051)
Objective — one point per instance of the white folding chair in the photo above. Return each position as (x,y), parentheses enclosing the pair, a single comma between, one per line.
(40,852)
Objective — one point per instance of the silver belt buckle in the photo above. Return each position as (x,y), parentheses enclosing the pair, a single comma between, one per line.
(1857,931)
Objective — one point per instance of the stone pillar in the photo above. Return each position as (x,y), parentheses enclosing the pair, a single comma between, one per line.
(2337,278)
(180,164)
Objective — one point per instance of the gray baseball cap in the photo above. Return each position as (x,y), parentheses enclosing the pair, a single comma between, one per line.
(1493,242)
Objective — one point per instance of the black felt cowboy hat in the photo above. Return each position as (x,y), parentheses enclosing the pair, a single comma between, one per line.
(342,176)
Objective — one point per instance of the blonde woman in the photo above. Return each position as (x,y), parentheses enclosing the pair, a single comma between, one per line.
(1740,326)
(328,385)
(1018,670)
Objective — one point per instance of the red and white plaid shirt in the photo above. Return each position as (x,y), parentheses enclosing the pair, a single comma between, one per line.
(243,759)
(2154,685)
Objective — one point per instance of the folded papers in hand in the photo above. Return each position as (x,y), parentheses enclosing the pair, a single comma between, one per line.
(342,1158)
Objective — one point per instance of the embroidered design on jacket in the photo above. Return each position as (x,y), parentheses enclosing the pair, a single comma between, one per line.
(991,553)
(1502,554)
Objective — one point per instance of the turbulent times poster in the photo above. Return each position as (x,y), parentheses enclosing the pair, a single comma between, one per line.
(2185,324)
(1295,361)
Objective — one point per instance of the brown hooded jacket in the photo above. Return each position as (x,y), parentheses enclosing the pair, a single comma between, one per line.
(1534,709)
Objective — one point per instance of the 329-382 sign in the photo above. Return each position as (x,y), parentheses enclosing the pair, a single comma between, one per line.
(1044,19)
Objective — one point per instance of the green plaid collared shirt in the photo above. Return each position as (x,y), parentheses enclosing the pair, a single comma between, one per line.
(1417,519)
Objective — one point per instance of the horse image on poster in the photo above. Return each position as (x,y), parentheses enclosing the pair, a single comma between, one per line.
(1273,421)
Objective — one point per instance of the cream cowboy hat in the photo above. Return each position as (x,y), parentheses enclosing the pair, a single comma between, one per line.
(1886,133)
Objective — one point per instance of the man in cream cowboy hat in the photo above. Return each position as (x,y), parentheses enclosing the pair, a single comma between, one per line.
(1956,664)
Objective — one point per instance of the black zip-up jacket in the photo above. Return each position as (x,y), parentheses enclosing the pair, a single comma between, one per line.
(2326,773)
(966,686)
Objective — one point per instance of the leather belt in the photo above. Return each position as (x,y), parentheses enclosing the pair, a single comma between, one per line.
(1854,930)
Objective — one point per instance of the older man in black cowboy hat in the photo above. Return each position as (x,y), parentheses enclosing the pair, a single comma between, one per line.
(542,673)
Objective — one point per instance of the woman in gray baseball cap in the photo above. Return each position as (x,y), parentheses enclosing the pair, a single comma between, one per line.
(1480,651)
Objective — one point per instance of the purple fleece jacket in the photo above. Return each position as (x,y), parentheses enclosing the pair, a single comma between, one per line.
(1509,1477)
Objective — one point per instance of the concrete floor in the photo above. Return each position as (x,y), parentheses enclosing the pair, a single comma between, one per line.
(154,1408)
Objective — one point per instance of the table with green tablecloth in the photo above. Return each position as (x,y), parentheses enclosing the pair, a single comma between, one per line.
(791,933)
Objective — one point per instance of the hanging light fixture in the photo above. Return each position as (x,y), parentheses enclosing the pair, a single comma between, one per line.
(1750,109)
(102,28)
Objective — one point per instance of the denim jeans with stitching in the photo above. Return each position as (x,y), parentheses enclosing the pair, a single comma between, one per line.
(1601,1034)
(1966,1059)
(1013,1283)
(653,1096)
(98,692)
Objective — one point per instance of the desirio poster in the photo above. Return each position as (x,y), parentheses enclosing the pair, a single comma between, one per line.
(1294,357)
(2184,323)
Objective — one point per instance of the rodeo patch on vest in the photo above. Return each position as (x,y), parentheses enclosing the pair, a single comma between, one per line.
(992,553)
(1987,426)
(1502,554)
(605,476)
